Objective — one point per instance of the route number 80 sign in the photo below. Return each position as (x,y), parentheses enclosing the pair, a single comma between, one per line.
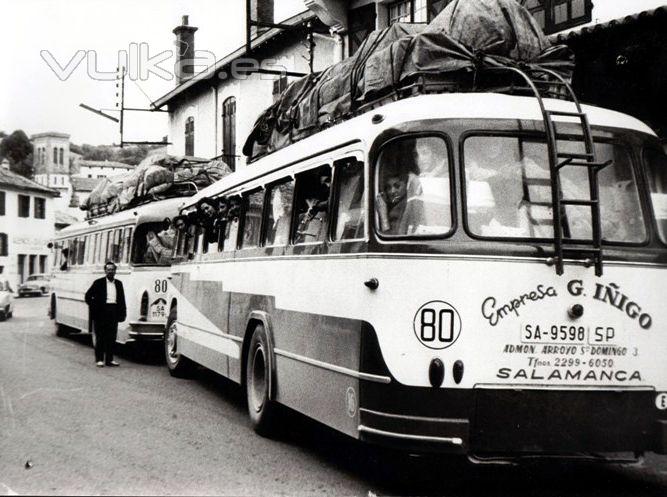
(437,325)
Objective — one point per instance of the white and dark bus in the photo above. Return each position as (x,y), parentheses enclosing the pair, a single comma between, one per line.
(481,274)
(141,244)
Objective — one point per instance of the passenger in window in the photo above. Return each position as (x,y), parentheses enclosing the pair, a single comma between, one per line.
(396,215)
(509,217)
(65,254)
(278,232)
(313,218)
(232,222)
(180,223)
(207,208)
(160,246)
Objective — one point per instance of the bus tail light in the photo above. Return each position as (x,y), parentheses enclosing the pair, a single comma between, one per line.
(457,371)
(143,308)
(436,372)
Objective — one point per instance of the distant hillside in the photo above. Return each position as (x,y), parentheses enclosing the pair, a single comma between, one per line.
(132,154)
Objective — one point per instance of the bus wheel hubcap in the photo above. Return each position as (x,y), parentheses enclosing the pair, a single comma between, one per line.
(258,379)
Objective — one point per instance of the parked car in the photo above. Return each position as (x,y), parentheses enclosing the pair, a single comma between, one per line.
(6,299)
(36,284)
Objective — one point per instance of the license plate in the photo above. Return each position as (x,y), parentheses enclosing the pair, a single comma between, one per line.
(568,334)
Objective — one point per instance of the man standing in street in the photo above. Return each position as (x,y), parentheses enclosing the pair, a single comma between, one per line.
(106,303)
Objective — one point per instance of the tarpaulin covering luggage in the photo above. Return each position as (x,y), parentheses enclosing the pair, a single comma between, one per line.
(154,178)
(466,36)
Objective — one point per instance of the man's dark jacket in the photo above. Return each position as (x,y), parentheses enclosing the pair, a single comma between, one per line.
(96,298)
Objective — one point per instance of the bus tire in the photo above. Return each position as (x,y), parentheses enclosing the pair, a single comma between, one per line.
(178,365)
(261,408)
(61,330)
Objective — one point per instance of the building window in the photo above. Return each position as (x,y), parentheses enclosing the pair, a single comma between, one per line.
(408,11)
(190,136)
(400,11)
(229,132)
(61,156)
(55,155)
(362,22)
(4,245)
(40,208)
(557,15)
(279,86)
(538,10)
(24,206)
(2,203)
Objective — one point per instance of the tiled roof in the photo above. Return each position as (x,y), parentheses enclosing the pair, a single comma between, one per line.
(84,184)
(17,182)
(654,14)
(102,163)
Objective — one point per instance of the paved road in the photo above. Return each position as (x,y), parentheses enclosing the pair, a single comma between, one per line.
(67,427)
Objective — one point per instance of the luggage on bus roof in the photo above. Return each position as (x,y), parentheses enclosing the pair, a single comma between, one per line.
(156,177)
(466,35)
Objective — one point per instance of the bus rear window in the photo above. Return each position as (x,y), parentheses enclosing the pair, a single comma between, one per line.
(412,195)
(508,191)
(656,163)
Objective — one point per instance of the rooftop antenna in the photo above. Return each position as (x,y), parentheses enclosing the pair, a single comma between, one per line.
(120,93)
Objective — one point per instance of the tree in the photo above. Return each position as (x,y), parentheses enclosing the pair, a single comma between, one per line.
(18,151)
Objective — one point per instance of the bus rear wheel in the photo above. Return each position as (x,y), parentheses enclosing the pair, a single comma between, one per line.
(179,366)
(261,408)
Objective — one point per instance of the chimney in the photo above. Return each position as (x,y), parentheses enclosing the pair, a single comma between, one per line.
(185,50)
(260,11)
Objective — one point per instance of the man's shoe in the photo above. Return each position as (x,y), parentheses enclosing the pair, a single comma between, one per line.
(113,364)
(99,364)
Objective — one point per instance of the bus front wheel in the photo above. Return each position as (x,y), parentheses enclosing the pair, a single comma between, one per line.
(261,408)
(179,366)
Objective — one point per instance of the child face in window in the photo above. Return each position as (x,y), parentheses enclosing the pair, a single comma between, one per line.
(395,189)
(208,210)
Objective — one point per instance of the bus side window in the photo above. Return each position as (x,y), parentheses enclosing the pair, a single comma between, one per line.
(127,244)
(312,205)
(279,213)
(115,245)
(63,257)
(252,218)
(350,205)
(81,251)
(73,246)
(86,254)
(92,248)
(103,248)
(232,224)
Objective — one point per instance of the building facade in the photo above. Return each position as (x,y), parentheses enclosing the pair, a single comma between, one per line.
(27,225)
(51,162)
(56,166)
(99,168)
(211,114)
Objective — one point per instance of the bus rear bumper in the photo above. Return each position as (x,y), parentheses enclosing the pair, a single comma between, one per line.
(414,433)
(510,424)
(146,331)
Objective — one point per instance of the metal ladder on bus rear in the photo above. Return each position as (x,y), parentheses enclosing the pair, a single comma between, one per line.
(542,87)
